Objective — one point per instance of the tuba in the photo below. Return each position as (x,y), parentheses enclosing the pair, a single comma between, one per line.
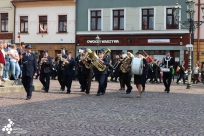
(87,65)
(95,60)
(126,66)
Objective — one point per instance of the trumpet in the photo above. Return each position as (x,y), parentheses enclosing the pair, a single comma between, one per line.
(64,61)
(59,56)
(42,60)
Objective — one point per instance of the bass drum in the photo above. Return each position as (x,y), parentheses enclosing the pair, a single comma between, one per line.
(137,66)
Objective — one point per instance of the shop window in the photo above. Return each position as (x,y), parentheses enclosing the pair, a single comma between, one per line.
(24,24)
(62,24)
(118,19)
(147,19)
(151,52)
(170,19)
(96,20)
(43,24)
(4,22)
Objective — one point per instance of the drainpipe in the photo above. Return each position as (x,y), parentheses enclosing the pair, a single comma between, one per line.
(75,27)
(14,34)
(198,34)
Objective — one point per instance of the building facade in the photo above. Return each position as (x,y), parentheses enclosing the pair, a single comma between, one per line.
(7,21)
(131,26)
(46,25)
(199,34)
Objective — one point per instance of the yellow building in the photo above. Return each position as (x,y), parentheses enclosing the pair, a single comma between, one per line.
(7,21)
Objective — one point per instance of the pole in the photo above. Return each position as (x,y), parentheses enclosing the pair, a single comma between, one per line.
(189,68)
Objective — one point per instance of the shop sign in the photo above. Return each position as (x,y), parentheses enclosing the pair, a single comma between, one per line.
(6,35)
(103,41)
(158,40)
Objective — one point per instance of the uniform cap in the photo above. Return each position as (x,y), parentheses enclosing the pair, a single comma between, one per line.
(63,48)
(28,46)
(68,53)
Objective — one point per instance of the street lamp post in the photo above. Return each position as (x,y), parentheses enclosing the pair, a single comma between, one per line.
(98,39)
(190,49)
(191,25)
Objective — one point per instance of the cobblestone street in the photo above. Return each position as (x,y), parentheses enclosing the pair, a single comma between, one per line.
(179,113)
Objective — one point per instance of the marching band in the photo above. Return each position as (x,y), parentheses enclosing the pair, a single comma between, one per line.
(88,63)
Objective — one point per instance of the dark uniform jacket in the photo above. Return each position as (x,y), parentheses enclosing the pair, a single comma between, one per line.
(59,66)
(69,68)
(29,65)
(171,62)
(46,67)
(97,72)
(145,67)
(182,69)
(84,70)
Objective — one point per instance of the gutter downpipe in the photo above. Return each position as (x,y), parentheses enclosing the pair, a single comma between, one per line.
(198,34)
(14,34)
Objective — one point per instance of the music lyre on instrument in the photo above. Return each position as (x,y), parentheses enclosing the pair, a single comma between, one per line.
(59,56)
(42,60)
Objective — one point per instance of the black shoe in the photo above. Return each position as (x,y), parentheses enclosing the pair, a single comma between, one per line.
(121,89)
(143,89)
(102,93)
(165,90)
(28,98)
(82,90)
(1,86)
(98,94)
(68,92)
(87,92)
(184,83)
(177,82)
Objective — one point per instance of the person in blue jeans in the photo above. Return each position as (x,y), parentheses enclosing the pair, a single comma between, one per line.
(7,65)
(14,58)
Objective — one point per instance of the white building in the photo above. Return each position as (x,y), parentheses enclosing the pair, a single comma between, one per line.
(46,25)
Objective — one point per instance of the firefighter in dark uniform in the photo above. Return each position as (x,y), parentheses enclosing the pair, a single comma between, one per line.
(168,62)
(45,71)
(122,85)
(69,64)
(86,75)
(101,75)
(60,68)
(29,69)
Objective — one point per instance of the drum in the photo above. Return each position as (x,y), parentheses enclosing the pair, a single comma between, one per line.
(137,66)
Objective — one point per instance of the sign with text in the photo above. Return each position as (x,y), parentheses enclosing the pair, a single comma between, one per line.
(158,40)
(6,36)
(103,42)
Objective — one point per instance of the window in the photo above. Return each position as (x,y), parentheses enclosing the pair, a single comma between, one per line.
(24,24)
(147,19)
(170,19)
(62,23)
(43,24)
(4,22)
(118,19)
(95,20)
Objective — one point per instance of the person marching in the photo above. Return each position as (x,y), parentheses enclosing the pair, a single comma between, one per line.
(101,75)
(168,63)
(144,73)
(86,74)
(126,71)
(60,68)
(139,80)
(118,70)
(68,64)
(182,73)
(78,66)
(29,70)
(45,70)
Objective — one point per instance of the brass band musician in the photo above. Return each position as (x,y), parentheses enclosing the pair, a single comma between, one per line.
(45,70)
(86,73)
(60,68)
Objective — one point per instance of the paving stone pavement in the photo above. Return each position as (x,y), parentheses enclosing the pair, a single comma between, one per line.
(179,113)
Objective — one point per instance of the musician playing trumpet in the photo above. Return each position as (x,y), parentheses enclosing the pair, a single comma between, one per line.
(60,68)
(69,64)
(45,71)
